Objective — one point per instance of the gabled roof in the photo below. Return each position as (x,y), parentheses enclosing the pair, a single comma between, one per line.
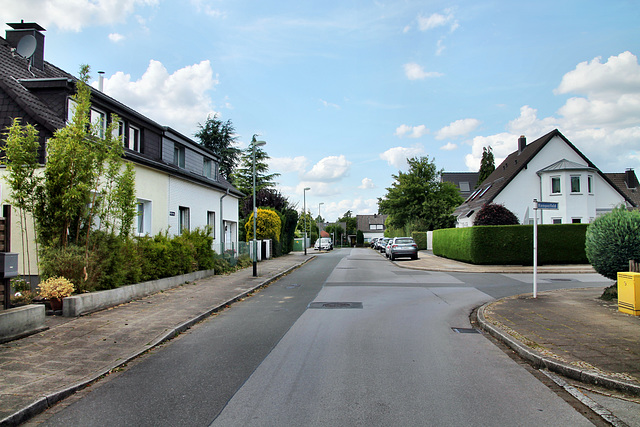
(465,181)
(365,220)
(514,164)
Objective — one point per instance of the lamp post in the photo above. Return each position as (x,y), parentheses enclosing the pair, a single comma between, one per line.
(304,212)
(255,144)
(319,235)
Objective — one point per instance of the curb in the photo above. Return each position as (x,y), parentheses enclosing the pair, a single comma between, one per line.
(49,400)
(562,368)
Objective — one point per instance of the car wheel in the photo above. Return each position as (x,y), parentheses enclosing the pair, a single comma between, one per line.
(392,258)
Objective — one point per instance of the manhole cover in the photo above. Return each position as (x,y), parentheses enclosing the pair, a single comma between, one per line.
(466,330)
(335,305)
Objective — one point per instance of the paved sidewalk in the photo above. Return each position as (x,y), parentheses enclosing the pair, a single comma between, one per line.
(42,369)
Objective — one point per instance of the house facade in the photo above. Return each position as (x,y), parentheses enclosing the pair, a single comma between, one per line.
(550,169)
(371,226)
(178,186)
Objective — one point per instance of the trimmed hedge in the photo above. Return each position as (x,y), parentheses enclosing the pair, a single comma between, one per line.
(420,237)
(512,244)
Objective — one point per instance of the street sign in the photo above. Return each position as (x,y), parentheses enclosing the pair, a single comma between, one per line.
(547,205)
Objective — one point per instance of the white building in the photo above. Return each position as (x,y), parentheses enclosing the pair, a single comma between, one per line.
(550,169)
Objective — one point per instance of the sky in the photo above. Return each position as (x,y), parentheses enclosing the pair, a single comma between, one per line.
(343,92)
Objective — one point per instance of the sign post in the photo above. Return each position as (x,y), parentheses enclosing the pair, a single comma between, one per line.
(538,205)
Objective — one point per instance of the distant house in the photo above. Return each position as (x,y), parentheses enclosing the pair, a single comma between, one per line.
(465,182)
(627,182)
(549,169)
(371,226)
(177,182)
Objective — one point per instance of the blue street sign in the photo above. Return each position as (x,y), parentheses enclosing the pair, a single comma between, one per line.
(547,205)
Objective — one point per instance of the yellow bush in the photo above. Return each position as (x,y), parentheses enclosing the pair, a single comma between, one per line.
(268,225)
(55,287)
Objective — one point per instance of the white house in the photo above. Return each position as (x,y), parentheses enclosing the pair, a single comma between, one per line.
(550,169)
(177,181)
(371,226)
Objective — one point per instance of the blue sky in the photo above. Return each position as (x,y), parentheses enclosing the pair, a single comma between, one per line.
(344,91)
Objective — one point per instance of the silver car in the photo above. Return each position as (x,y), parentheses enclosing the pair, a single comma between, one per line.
(402,247)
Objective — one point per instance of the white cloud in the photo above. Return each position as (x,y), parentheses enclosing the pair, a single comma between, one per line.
(458,128)
(178,100)
(328,104)
(397,156)
(440,47)
(367,183)
(414,71)
(436,20)
(332,168)
(70,15)
(411,131)
(603,121)
(283,165)
(115,37)
(449,146)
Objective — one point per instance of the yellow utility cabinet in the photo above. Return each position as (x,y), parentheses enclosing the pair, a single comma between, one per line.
(629,293)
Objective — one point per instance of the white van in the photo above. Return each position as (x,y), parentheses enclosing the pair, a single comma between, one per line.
(323,243)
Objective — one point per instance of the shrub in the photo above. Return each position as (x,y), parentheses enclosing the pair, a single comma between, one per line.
(268,225)
(55,287)
(494,214)
(612,240)
(420,237)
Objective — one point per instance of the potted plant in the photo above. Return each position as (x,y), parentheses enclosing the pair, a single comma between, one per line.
(55,289)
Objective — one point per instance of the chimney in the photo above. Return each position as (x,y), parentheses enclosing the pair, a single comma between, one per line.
(630,178)
(522,142)
(24,29)
(101,81)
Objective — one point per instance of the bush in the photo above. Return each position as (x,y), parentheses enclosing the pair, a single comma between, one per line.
(612,240)
(494,214)
(420,237)
(512,244)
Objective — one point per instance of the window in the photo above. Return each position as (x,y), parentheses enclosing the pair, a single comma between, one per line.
(206,167)
(211,222)
(118,131)
(576,220)
(178,155)
(555,185)
(99,122)
(183,220)
(557,220)
(376,226)
(71,109)
(575,184)
(133,141)
(464,186)
(143,223)
(590,184)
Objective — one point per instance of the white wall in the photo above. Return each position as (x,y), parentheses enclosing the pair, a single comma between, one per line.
(199,199)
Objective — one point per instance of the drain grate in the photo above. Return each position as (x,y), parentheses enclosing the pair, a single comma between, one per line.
(335,305)
(466,330)
(560,280)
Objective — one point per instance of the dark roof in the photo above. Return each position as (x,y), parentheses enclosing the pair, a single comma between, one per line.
(365,220)
(459,179)
(627,183)
(511,166)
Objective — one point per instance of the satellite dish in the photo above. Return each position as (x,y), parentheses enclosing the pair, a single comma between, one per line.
(27,46)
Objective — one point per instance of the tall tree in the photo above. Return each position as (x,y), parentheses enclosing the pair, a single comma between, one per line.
(487,165)
(243,176)
(419,196)
(220,138)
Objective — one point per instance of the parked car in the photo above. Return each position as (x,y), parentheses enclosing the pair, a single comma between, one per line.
(402,247)
(373,241)
(323,243)
(382,244)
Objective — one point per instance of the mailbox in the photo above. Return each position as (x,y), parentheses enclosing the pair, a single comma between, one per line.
(8,265)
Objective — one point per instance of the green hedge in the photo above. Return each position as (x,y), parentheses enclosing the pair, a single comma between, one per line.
(420,237)
(512,244)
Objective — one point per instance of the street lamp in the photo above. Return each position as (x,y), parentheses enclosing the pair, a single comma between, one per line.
(319,235)
(255,144)
(304,212)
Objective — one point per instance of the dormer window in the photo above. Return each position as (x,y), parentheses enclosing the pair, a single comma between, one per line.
(178,155)
(133,140)
(99,122)
(207,166)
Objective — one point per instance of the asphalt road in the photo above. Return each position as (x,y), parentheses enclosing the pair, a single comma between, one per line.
(390,358)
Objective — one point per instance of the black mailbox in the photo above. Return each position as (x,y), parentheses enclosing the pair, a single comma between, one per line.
(8,265)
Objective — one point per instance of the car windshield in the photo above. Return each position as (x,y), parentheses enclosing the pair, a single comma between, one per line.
(404,241)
